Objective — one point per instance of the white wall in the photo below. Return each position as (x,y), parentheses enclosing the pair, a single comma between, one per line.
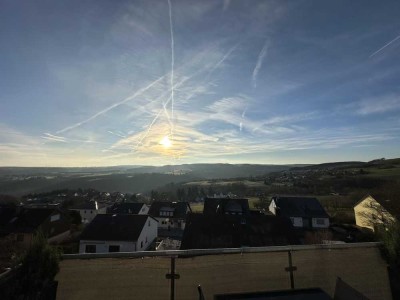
(325,225)
(88,215)
(150,232)
(102,246)
(144,210)
(172,223)
(147,236)
(272,207)
(297,222)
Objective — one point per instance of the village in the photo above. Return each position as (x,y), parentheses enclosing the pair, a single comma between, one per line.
(112,223)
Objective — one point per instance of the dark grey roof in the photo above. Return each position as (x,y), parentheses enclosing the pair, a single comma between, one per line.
(126,208)
(292,206)
(179,208)
(204,231)
(113,227)
(86,205)
(343,291)
(29,219)
(221,205)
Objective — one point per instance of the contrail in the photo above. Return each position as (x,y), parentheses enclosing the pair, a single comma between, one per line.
(172,62)
(137,93)
(148,129)
(260,60)
(227,54)
(379,50)
(56,138)
(116,134)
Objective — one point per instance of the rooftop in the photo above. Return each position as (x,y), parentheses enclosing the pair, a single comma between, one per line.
(126,208)
(295,206)
(226,231)
(114,227)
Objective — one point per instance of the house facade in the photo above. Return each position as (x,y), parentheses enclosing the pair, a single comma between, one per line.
(304,212)
(89,210)
(118,233)
(170,215)
(370,213)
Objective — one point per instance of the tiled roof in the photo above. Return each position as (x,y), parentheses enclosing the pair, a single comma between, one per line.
(126,208)
(109,227)
(300,207)
(204,231)
(28,220)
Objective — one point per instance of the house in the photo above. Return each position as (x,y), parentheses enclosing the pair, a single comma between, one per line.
(23,223)
(229,206)
(89,210)
(304,212)
(372,211)
(118,233)
(206,231)
(129,208)
(170,215)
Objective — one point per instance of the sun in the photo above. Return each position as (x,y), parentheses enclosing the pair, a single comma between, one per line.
(166,142)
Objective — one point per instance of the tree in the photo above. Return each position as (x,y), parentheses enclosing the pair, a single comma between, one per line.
(35,275)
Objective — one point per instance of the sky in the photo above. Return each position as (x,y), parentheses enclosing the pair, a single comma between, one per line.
(102,83)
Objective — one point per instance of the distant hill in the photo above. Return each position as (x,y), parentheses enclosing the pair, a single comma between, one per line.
(376,163)
(137,179)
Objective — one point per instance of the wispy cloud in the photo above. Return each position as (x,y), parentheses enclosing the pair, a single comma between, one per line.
(378,105)
(55,138)
(102,112)
(259,63)
(386,45)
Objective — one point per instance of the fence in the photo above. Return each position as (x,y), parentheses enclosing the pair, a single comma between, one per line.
(176,274)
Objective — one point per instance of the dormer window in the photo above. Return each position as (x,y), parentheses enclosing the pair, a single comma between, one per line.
(167,212)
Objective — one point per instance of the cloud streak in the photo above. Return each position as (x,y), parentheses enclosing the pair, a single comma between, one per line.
(386,45)
(259,63)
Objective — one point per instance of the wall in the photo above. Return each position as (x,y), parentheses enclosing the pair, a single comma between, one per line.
(365,210)
(359,265)
(102,246)
(172,223)
(144,210)
(272,207)
(149,232)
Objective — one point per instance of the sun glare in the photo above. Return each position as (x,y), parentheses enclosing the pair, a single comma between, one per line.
(166,142)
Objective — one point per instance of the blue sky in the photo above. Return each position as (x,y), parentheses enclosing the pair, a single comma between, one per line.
(96,83)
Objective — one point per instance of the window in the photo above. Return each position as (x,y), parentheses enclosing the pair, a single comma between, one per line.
(90,249)
(141,244)
(113,248)
(148,223)
(55,218)
(320,221)
(91,211)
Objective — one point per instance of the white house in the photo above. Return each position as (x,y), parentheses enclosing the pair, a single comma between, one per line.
(170,215)
(89,210)
(118,233)
(370,212)
(304,212)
